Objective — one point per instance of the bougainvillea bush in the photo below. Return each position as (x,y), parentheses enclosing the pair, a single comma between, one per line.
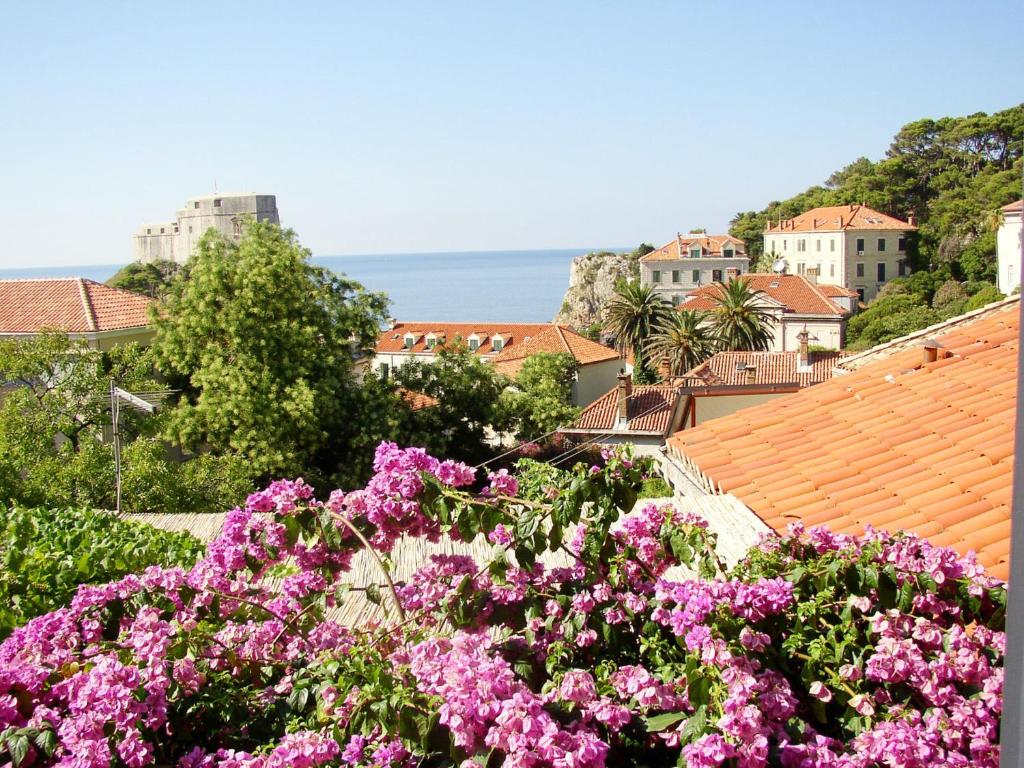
(818,650)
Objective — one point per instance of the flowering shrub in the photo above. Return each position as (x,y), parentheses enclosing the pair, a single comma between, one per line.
(634,647)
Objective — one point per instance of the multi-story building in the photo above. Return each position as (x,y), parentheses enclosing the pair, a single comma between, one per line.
(1008,247)
(850,245)
(691,261)
(176,240)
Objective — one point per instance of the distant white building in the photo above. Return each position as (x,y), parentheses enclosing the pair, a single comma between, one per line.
(690,261)
(176,240)
(1008,247)
(850,245)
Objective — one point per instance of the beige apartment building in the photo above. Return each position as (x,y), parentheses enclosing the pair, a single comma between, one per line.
(850,245)
(690,261)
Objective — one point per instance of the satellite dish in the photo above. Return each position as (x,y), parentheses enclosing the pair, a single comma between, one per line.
(779,266)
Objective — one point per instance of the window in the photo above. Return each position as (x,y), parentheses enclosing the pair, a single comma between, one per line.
(728,253)
(497,344)
(675,275)
(431,342)
(832,270)
(149,231)
(785,245)
(696,276)
(901,268)
(801,245)
(860,245)
(409,341)
(820,273)
(216,203)
(695,252)
(195,204)
(190,229)
(238,228)
(817,244)
(880,269)
(860,294)
(716,275)
(832,246)
(474,345)
(860,269)
(656,276)
(801,268)
(384,371)
(161,230)
(901,244)
(881,245)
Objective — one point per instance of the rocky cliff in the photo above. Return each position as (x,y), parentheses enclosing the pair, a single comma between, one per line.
(592,281)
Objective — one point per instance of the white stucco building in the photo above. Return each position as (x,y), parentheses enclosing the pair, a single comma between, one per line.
(850,245)
(691,261)
(227,213)
(1008,247)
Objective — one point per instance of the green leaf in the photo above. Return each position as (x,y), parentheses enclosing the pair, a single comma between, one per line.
(661,722)
(17,746)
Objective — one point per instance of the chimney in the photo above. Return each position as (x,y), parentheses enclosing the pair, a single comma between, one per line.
(812,275)
(840,220)
(804,358)
(679,244)
(751,371)
(393,322)
(731,273)
(933,350)
(912,219)
(625,391)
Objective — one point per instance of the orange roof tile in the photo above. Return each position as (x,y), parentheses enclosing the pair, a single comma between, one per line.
(710,246)
(73,305)
(770,368)
(417,401)
(650,408)
(554,339)
(795,293)
(924,452)
(393,340)
(835,218)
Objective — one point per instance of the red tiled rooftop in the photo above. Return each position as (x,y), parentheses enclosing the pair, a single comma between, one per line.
(835,218)
(393,340)
(73,305)
(649,408)
(900,444)
(730,369)
(555,339)
(417,401)
(795,293)
(711,246)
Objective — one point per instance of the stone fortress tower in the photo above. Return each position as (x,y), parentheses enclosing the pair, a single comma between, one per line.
(226,213)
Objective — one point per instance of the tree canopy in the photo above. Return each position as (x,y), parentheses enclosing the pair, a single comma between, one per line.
(541,399)
(685,340)
(151,278)
(738,318)
(263,344)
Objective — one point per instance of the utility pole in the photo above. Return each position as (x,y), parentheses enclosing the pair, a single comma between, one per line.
(117,396)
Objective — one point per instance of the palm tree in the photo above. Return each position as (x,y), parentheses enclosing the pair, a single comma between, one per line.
(684,339)
(739,320)
(632,315)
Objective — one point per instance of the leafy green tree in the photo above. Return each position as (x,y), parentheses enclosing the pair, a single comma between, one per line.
(888,318)
(950,299)
(541,400)
(54,421)
(985,296)
(263,343)
(685,339)
(632,315)
(150,279)
(739,320)
(468,393)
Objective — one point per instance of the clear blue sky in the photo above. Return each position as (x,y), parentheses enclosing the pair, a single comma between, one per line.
(390,127)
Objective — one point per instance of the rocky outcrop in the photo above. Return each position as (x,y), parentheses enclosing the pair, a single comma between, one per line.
(592,280)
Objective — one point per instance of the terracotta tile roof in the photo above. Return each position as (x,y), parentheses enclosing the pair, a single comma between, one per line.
(711,246)
(729,369)
(557,338)
(417,401)
(795,293)
(1015,207)
(900,444)
(74,305)
(836,218)
(650,408)
(512,334)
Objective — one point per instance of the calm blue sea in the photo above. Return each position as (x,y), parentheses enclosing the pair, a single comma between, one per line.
(489,286)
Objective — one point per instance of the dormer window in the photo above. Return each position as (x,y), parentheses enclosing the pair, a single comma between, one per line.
(409,340)
(497,343)
(694,251)
(728,253)
(431,341)
(473,342)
